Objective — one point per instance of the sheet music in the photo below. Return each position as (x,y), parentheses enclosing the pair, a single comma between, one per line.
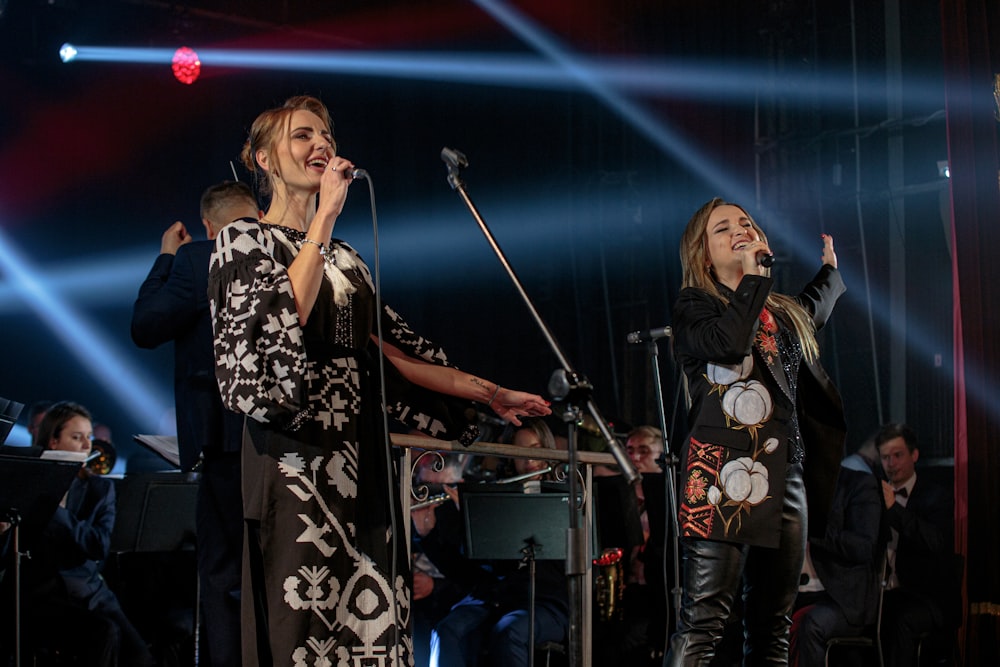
(63,455)
(164,445)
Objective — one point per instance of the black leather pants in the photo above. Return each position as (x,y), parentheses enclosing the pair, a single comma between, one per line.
(711,577)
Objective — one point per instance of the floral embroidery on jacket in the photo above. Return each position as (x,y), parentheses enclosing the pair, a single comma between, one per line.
(696,485)
(740,483)
(765,340)
(743,483)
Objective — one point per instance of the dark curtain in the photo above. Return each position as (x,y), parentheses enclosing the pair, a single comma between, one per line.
(971,44)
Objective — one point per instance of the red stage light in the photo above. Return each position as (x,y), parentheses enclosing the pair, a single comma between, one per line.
(186,65)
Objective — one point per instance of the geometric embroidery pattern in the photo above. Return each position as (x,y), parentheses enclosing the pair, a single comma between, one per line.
(266,373)
(696,513)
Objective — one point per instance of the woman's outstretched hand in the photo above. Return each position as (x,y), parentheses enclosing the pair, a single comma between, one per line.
(509,404)
(829,256)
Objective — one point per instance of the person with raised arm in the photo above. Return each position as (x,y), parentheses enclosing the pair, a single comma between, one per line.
(297,353)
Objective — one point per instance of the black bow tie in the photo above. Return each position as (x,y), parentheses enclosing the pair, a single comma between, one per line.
(902,492)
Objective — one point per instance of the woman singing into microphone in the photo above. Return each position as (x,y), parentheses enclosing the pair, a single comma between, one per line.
(766,431)
(294,316)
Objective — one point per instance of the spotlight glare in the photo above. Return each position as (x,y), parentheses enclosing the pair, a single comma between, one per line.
(82,338)
(67,52)
(186,65)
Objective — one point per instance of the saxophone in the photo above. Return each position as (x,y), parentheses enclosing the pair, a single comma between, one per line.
(609,584)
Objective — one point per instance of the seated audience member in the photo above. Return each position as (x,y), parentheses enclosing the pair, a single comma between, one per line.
(493,617)
(433,592)
(921,592)
(67,607)
(843,568)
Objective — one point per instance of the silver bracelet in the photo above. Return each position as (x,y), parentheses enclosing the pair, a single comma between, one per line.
(494,397)
(322,247)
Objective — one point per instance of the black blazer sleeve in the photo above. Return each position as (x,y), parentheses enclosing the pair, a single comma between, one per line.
(821,294)
(706,329)
(168,302)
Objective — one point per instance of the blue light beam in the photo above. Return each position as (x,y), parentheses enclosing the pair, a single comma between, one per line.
(84,341)
(649,126)
(721,82)
(93,281)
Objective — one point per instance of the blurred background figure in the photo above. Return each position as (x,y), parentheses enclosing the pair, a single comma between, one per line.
(172,306)
(35,413)
(433,592)
(841,576)
(923,591)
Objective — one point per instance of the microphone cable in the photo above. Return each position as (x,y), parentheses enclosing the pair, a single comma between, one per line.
(359,174)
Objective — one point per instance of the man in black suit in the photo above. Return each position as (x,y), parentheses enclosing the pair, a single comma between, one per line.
(846,564)
(921,589)
(173,306)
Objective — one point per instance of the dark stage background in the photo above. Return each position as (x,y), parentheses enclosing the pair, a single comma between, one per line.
(586,182)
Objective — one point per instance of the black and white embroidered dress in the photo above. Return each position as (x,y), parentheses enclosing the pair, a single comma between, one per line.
(315,490)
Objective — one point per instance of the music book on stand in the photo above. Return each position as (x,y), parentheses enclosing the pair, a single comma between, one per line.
(31,486)
(165,446)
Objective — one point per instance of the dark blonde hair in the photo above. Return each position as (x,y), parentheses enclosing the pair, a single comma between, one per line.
(697,272)
(269,127)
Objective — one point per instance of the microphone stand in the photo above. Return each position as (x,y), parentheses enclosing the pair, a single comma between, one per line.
(575,391)
(668,463)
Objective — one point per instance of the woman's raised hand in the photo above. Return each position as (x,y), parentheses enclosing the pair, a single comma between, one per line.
(829,256)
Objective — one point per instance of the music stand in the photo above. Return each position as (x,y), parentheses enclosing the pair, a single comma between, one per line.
(504,525)
(156,514)
(9,412)
(498,525)
(30,490)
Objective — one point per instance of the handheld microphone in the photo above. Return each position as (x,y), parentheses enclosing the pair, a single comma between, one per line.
(647,336)
(358,174)
(765,259)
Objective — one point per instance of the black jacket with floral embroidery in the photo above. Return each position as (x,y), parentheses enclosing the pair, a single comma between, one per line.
(754,408)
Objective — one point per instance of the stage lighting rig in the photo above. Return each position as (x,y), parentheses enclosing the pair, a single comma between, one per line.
(67,52)
(186,65)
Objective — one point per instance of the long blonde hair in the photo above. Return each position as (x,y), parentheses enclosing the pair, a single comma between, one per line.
(697,272)
(266,131)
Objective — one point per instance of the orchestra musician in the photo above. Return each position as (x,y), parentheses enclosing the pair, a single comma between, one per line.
(68,607)
(493,618)
(433,593)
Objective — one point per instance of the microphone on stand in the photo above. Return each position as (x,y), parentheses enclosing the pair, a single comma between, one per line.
(765,259)
(453,158)
(647,336)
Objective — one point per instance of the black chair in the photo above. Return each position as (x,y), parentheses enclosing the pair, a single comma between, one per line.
(872,637)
